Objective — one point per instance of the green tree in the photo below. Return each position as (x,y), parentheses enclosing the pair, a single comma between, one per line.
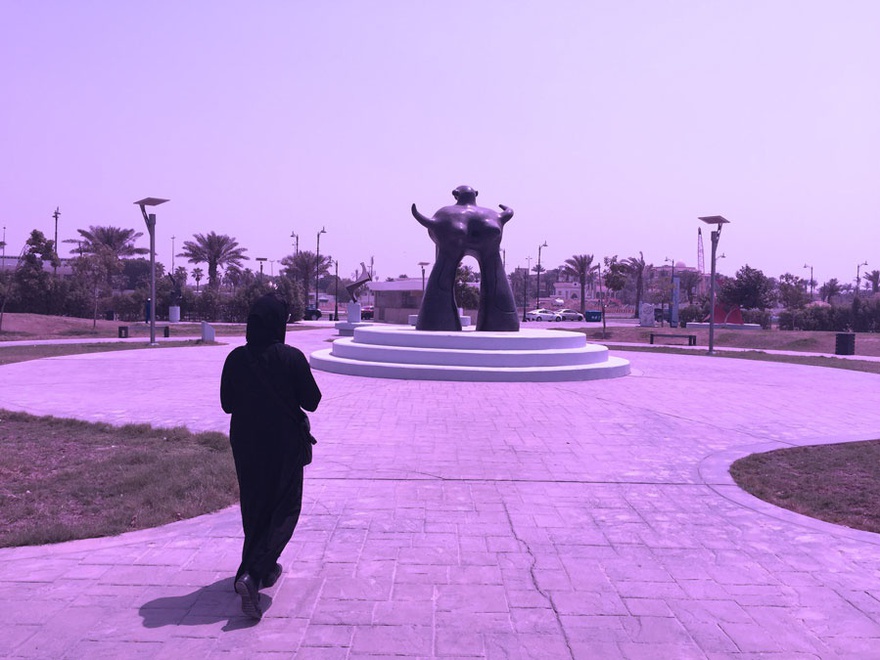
(119,241)
(198,274)
(581,268)
(690,284)
(35,286)
(6,291)
(615,274)
(830,289)
(635,267)
(466,296)
(749,289)
(792,291)
(215,250)
(301,267)
(91,269)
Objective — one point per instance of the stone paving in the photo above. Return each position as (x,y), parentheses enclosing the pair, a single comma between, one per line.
(474,520)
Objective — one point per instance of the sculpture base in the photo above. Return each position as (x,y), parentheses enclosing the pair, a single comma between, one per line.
(528,355)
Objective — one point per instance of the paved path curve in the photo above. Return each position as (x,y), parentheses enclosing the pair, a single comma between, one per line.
(573,520)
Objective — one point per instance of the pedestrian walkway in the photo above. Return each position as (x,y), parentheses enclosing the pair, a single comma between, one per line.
(445,519)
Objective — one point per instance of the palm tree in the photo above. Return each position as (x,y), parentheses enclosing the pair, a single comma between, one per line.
(830,289)
(636,266)
(115,240)
(215,250)
(301,266)
(110,244)
(580,267)
(198,274)
(874,279)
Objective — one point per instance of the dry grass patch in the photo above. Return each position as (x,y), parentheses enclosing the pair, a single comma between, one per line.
(63,479)
(837,483)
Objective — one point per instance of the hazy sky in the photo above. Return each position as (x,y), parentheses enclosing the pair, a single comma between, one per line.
(607,126)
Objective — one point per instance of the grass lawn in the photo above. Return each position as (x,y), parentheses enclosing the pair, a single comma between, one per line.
(63,479)
(836,483)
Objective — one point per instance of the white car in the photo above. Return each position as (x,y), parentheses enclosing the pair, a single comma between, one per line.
(570,315)
(542,315)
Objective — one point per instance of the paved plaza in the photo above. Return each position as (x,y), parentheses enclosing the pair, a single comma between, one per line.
(473,520)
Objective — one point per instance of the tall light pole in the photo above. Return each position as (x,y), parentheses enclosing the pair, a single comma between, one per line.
(538,271)
(318,263)
(262,260)
(336,292)
(716,236)
(150,219)
(295,238)
(55,246)
(526,286)
(811,280)
(172,254)
(858,275)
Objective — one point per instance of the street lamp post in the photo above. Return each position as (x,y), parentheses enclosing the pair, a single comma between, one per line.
(538,270)
(295,238)
(858,276)
(716,235)
(336,293)
(262,260)
(526,286)
(150,219)
(423,264)
(55,246)
(811,280)
(318,263)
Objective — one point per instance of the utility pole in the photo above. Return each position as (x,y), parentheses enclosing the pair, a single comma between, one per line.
(55,246)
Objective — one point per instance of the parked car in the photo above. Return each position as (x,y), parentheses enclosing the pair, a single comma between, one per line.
(367,312)
(570,315)
(542,315)
(312,314)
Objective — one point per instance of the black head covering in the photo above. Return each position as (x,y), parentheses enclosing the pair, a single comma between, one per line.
(267,321)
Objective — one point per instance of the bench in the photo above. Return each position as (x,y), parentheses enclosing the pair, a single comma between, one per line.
(692,339)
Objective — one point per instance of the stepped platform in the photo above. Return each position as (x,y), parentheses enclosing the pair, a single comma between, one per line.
(528,355)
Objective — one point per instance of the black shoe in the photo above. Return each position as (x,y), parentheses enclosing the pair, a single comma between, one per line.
(250,597)
(272,578)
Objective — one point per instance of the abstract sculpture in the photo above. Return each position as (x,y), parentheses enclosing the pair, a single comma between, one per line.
(465,229)
(361,279)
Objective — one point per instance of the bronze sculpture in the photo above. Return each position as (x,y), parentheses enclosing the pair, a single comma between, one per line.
(465,229)
(359,280)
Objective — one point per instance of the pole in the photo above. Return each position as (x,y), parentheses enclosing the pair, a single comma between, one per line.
(716,234)
(151,225)
(336,294)
(55,247)
(538,281)
(318,264)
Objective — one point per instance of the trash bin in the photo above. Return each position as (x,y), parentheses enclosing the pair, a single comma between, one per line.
(845,344)
(166,331)
(592,316)
(123,332)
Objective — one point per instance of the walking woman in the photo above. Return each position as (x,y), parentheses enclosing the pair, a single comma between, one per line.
(265,386)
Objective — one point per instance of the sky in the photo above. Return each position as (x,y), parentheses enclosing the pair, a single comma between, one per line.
(608,127)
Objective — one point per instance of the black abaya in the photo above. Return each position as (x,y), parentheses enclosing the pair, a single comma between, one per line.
(265,386)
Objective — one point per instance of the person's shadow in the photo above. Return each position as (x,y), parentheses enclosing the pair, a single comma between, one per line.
(206,605)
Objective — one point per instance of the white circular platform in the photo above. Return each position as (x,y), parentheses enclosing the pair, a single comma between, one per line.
(527,355)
